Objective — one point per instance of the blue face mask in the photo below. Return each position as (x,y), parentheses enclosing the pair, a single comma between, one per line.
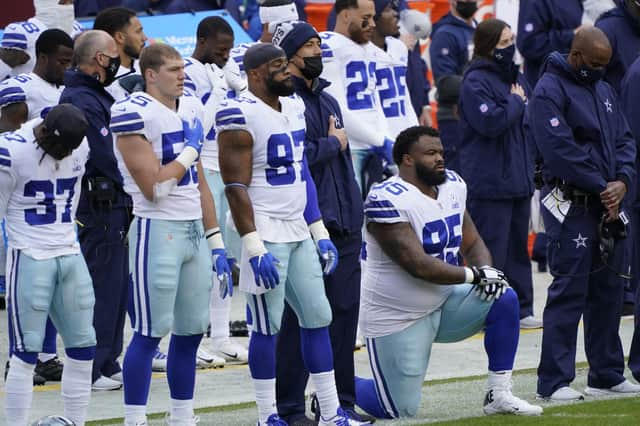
(504,57)
(589,75)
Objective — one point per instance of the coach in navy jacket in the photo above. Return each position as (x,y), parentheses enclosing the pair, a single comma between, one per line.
(622,27)
(340,202)
(585,144)
(545,26)
(494,158)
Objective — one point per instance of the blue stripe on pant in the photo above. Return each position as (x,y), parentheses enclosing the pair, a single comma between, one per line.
(582,287)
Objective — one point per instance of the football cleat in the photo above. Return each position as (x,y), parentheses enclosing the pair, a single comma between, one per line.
(159,362)
(53,421)
(232,352)
(564,393)
(182,422)
(502,401)
(340,419)
(50,370)
(103,383)
(273,420)
(205,359)
(626,387)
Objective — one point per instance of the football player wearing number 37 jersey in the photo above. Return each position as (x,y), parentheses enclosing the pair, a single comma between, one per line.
(274,208)
(414,292)
(174,235)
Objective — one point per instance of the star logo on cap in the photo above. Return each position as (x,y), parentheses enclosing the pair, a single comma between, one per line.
(580,241)
(608,105)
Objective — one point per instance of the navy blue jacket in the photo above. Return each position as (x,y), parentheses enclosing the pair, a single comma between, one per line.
(89,95)
(332,170)
(630,87)
(579,129)
(449,50)
(494,157)
(545,26)
(623,31)
(417,81)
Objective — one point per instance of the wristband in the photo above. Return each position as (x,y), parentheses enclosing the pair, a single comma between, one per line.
(318,231)
(253,244)
(469,276)
(214,238)
(187,157)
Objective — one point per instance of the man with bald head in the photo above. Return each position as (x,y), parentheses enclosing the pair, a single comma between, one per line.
(104,208)
(588,162)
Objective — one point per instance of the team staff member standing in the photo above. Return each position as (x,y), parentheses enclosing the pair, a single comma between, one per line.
(588,158)
(329,158)
(104,209)
(492,106)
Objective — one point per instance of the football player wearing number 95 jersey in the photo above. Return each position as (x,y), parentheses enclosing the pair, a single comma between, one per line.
(274,208)
(414,292)
(159,135)
(41,166)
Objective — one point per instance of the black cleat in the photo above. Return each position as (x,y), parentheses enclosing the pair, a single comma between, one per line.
(51,370)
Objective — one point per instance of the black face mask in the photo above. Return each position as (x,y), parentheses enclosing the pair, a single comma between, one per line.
(111,70)
(504,57)
(466,9)
(589,75)
(279,88)
(312,67)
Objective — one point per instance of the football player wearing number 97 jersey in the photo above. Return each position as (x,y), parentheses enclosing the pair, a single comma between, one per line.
(159,135)
(414,292)
(274,208)
(349,66)
(41,167)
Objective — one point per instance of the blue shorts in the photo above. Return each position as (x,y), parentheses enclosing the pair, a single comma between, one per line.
(399,361)
(59,287)
(302,286)
(171,277)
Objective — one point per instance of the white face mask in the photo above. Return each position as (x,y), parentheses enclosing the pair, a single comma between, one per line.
(55,15)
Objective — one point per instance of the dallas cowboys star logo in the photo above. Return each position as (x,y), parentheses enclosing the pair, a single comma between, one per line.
(584,73)
(580,241)
(498,55)
(608,105)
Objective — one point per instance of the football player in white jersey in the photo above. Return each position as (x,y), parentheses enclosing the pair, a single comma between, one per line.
(124,26)
(206,79)
(159,138)
(41,167)
(391,56)
(413,291)
(272,13)
(274,209)
(19,43)
(349,66)
(42,86)
(13,107)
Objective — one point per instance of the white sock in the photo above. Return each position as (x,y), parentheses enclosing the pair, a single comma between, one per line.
(181,409)
(135,414)
(265,398)
(325,385)
(44,357)
(18,391)
(76,389)
(499,380)
(219,310)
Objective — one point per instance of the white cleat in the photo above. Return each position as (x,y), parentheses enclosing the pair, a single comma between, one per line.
(159,362)
(563,394)
(182,422)
(626,387)
(205,359)
(502,401)
(138,423)
(232,352)
(105,384)
(530,322)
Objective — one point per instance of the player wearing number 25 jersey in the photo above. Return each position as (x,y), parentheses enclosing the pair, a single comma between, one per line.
(414,292)
(41,166)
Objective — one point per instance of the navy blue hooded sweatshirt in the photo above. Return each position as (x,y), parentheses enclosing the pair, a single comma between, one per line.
(495,160)
(630,87)
(579,129)
(623,31)
(449,50)
(545,26)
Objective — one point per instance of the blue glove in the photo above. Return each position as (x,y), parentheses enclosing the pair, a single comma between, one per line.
(264,268)
(222,267)
(329,256)
(385,151)
(193,134)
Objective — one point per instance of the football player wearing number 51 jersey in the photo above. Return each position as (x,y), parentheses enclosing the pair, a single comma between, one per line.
(274,208)
(159,138)
(414,292)
(41,166)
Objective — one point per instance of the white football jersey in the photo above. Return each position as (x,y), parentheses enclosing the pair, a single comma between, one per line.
(391,84)
(23,36)
(277,191)
(391,298)
(41,95)
(350,69)
(237,54)
(39,194)
(141,114)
